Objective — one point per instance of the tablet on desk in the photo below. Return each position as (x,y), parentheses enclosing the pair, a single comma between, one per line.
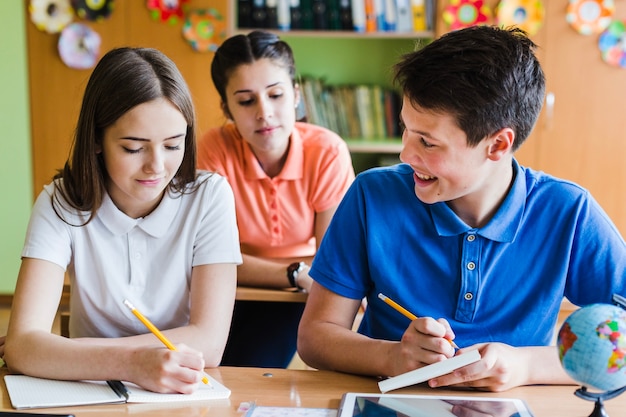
(406,405)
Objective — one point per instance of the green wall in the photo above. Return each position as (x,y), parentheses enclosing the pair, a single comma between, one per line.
(363,60)
(15,155)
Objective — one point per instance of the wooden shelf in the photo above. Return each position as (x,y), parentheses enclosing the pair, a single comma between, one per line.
(390,146)
(346,34)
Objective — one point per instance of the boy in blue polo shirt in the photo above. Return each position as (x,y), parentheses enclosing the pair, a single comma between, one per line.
(482,249)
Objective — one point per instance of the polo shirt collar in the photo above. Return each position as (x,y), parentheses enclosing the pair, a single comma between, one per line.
(155,224)
(504,225)
(294,164)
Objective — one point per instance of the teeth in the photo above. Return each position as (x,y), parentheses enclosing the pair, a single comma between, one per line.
(424,177)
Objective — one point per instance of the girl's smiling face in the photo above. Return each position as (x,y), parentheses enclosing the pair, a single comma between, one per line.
(142,152)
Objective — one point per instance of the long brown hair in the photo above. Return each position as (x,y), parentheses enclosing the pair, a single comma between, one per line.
(123,79)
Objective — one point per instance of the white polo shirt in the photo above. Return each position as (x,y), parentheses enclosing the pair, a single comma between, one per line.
(147,260)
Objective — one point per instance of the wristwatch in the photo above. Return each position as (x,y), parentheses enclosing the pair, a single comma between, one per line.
(292,273)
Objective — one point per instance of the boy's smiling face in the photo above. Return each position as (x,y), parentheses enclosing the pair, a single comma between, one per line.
(446,169)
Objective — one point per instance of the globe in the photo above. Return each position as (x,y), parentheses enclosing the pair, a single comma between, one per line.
(592,346)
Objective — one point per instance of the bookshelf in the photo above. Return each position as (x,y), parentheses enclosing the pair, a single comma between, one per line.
(343,57)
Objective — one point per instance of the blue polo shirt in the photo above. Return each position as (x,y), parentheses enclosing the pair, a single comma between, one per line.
(503,282)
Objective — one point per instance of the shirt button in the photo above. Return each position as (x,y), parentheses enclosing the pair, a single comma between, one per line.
(471,266)
(468,296)
(471,238)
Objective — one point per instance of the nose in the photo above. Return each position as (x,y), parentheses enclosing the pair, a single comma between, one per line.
(406,152)
(155,161)
(264,109)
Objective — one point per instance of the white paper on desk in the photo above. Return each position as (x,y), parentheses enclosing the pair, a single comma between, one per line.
(204,392)
(428,372)
(30,392)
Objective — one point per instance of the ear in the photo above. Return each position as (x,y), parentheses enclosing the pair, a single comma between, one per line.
(224,107)
(296,94)
(500,143)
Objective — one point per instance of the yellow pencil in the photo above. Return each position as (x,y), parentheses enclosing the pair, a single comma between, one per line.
(406,313)
(155,331)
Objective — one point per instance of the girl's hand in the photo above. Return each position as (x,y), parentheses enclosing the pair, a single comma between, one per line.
(167,371)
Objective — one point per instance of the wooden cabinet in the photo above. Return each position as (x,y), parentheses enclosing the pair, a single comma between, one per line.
(581,136)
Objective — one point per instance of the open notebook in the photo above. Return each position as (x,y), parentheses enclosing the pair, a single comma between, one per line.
(30,392)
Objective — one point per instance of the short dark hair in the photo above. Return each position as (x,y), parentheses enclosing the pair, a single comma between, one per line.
(246,49)
(486,77)
(122,79)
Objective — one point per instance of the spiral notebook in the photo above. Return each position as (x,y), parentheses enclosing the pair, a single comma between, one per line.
(30,392)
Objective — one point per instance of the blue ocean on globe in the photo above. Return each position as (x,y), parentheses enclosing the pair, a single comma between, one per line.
(592,346)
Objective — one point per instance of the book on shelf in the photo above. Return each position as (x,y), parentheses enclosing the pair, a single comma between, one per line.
(271,14)
(370,16)
(244,13)
(358,15)
(403,16)
(283,17)
(258,17)
(320,17)
(369,112)
(390,13)
(333,14)
(345,15)
(306,14)
(418,10)
(295,15)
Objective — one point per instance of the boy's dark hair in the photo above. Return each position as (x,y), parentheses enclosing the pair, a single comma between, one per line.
(486,77)
(246,49)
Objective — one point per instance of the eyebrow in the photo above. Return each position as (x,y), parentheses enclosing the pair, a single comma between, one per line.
(180,135)
(267,86)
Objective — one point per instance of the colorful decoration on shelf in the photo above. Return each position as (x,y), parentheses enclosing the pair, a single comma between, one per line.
(204,29)
(167,11)
(464,13)
(612,44)
(51,15)
(94,10)
(590,16)
(79,46)
(527,15)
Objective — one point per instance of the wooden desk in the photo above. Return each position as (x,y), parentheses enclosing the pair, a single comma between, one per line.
(301,388)
(266,294)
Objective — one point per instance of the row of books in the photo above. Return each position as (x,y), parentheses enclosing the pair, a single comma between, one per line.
(368,112)
(346,15)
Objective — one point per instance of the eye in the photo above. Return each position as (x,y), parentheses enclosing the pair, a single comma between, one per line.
(131,151)
(173,148)
(246,102)
(276,95)
(426,143)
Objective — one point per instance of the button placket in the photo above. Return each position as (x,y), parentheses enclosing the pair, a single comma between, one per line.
(470,277)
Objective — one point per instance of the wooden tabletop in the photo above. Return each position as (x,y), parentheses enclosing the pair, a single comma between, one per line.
(304,388)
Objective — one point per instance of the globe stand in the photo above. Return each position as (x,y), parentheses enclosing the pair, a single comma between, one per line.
(598,398)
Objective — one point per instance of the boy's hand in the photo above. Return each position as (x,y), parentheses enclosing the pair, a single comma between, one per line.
(424,342)
(500,368)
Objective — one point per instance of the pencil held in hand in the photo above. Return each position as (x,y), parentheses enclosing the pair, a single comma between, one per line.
(406,313)
(155,331)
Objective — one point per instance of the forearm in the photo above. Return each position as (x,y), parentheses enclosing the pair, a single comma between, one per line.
(210,343)
(331,347)
(544,366)
(265,273)
(47,355)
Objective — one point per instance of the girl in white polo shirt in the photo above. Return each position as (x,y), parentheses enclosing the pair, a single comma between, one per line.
(129,217)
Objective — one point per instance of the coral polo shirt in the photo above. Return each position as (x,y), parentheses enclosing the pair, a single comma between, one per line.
(276,216)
